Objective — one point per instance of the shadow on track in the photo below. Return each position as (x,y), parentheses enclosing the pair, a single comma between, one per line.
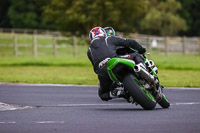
(128,109)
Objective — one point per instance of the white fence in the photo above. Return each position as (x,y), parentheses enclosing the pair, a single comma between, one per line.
(37,45)
(167,45)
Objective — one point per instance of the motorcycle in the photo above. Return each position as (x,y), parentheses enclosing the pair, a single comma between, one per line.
(139,82)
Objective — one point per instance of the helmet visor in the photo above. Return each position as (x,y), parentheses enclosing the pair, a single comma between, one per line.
(109,31)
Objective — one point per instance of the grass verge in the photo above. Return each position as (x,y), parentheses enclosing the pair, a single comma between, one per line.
(174,70)
(85,75)
(50,74)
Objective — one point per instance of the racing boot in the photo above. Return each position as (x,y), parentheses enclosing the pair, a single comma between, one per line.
(121,94)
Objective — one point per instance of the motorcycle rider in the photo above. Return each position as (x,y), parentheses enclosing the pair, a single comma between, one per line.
(120,50)
(123,50)
(102,48)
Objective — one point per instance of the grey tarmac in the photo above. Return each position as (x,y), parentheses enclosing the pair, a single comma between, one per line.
(47,108)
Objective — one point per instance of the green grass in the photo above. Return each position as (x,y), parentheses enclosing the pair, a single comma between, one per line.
(85,75)
(50,74)
(44,61)
(174,70)
(176,61)
(170,62)
(179,78)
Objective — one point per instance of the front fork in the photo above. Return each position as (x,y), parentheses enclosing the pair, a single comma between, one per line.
(157,92)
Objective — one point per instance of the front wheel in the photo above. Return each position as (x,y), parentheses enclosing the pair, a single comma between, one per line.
(138,93)
(164,102)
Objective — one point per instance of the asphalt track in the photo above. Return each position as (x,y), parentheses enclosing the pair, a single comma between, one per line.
(26,108)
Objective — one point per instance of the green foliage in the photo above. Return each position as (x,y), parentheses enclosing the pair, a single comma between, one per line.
(160,17)
(81,15)
(4,6)
(163,19)
(190,12)
(26,14)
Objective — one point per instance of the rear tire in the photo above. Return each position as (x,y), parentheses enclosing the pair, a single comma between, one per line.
(138,94)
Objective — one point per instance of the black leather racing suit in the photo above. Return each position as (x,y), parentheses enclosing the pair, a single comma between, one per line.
(101,50)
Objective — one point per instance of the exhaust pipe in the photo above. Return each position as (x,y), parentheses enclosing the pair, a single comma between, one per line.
(140,68)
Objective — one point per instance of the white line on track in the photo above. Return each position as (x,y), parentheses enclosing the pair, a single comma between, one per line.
(59,85)
(39,122)
(84,105)
(190,103)
(50,122)
(180,88)
(71,85)
(8,122)
(4,107)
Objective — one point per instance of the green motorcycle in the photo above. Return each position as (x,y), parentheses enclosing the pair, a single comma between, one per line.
(140,82)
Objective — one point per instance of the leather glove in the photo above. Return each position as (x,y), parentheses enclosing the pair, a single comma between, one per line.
(142,50)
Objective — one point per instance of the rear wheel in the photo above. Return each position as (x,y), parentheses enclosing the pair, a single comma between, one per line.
(139,94)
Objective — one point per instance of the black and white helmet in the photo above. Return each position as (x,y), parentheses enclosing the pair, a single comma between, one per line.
(109,31)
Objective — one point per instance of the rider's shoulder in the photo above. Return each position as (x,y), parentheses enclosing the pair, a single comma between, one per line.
(119,38)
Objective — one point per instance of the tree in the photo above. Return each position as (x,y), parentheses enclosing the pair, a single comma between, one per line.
(81,15)
(163,19)
(190,12)
(27,14)
(4,20)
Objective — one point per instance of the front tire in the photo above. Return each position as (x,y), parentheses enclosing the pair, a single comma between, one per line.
(137,93)
(164,102)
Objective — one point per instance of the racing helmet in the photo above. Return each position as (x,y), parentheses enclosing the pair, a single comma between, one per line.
(96,32)
(109,31)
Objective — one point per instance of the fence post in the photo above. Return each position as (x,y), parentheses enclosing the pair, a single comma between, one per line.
(12,31)
(54,46)
(148,44)
(15,45)
(184,45)
(75,45)
(35,45)
(166,45)
(34,31)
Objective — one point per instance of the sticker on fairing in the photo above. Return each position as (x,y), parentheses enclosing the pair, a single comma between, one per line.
(103,62)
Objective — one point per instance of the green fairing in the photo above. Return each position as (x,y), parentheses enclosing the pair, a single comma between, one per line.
(113,62)
(165,98)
